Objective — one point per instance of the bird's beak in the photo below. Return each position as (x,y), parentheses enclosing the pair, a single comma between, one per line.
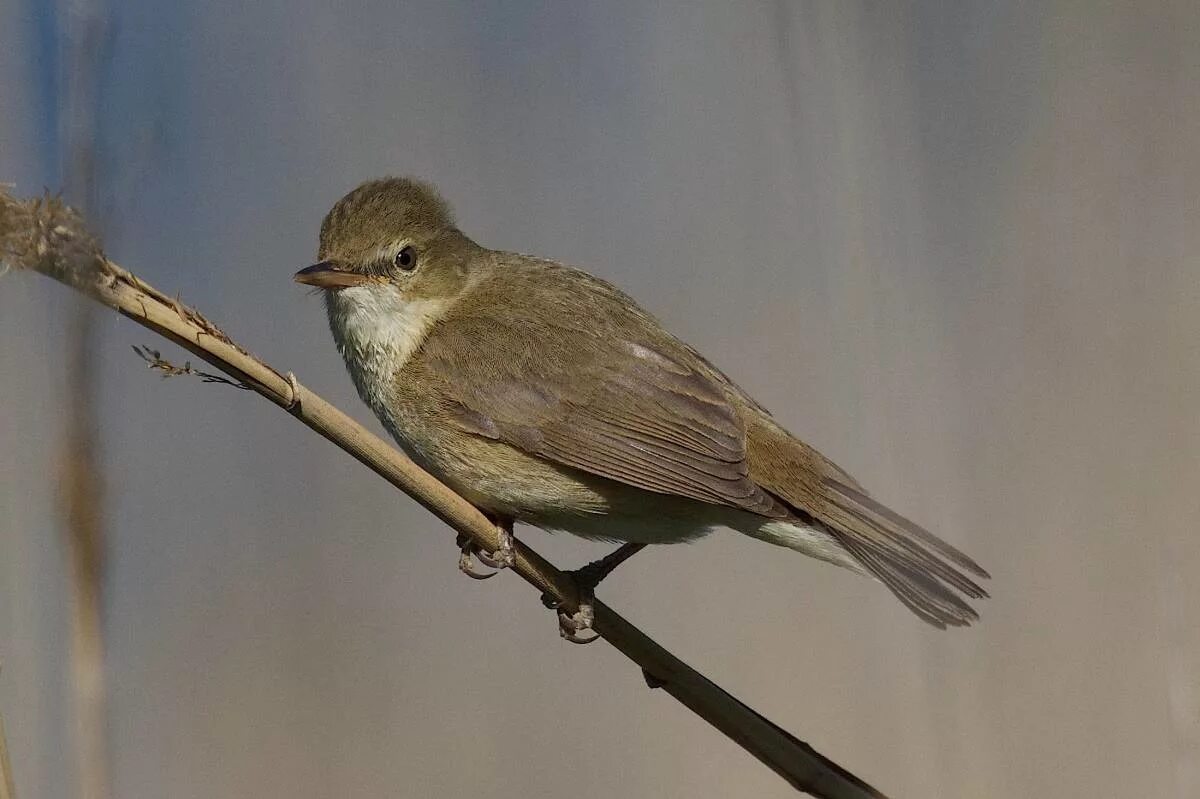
(328,275)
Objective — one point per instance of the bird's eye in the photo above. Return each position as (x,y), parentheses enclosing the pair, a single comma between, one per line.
(406,259)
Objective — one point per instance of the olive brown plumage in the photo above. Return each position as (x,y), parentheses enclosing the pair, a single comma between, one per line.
(546,395)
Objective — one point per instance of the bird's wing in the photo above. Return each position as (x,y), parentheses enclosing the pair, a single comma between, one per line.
(600,401)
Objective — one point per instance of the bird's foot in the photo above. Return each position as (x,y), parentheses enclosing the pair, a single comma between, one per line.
(466,558)
(572,625)
(468,551)
(506,555)
(586,578)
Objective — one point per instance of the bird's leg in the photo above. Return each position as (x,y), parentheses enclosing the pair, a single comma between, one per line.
(589,576)
(502,558)
(586,579)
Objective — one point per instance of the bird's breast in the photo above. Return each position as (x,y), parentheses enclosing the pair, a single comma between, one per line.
(377,329)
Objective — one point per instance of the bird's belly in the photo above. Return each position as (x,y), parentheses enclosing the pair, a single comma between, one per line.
(497,477)
(505,481)
(638,529)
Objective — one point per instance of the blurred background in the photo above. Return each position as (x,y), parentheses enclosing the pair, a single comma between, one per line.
(953,245)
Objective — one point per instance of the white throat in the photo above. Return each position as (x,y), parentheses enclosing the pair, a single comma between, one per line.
(377,330)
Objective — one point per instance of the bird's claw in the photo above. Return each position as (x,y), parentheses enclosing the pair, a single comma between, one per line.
(505,555)
(465,566)
(468,550)
(570,625)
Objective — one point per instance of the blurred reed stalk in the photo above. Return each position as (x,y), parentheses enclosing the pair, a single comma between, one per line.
(46,236)
(81,495)
(84,28)
(7,784)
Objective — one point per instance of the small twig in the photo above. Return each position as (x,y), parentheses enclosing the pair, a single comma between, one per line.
(154,360)
(45,236)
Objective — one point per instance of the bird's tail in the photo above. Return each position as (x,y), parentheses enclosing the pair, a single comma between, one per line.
(923,571)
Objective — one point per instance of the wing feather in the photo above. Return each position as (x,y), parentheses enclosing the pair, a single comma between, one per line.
(634,409)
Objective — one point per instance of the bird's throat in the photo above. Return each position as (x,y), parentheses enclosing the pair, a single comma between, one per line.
(377,329)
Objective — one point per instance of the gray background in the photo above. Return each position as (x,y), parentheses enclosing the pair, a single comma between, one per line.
(951,244)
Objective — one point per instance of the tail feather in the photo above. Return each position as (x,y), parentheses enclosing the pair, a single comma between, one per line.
(920,593)
(857,499)
(919,568)
(856,518)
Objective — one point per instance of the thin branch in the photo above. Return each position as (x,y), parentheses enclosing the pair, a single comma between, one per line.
(45,236)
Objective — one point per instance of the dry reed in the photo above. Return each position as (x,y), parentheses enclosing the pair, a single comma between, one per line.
(46,236)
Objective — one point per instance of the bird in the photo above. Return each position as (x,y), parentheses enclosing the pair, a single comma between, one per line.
(547,396)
